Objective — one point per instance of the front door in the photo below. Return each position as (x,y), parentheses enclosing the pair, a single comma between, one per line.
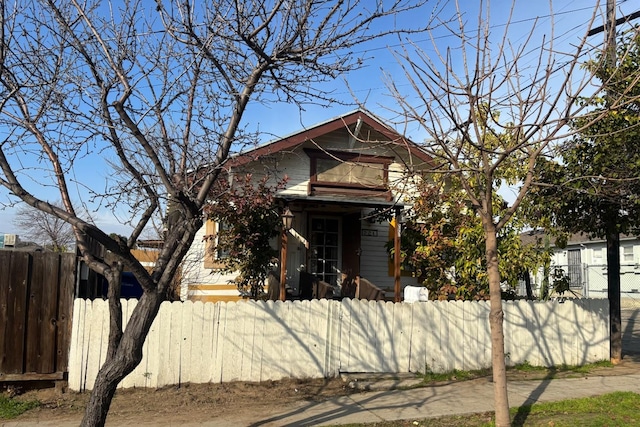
(324,249)
(575,268)
(351,243)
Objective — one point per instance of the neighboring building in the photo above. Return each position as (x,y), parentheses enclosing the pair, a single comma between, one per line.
(92,285)
(343,176)
(9,241)
(584,262)
(12,242)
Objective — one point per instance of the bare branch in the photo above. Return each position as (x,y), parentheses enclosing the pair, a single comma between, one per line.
(154,100)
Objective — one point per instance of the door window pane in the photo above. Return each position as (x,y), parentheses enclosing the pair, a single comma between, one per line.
(325,239)
(331,253)
(333,225)
(331,239)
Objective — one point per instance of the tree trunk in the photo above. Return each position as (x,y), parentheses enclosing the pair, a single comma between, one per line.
(613,282)
(95,413)
(114,280)
(496,315)
(527,285)
(127,356)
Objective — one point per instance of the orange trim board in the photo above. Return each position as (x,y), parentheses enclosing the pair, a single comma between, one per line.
(213,287)
(341,122)
(215,298)
(390,266)
(145,256)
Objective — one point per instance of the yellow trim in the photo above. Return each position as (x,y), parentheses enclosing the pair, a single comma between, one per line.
(392,233)
(213,287)
(145,256)
(210,261)
(215,298)
(210,230)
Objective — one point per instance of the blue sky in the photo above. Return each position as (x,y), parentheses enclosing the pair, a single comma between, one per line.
(367,84)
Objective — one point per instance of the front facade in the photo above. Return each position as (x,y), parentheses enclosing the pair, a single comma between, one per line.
(584,262)
(347,178)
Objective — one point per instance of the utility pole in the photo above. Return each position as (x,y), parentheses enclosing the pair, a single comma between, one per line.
(613,234)
(612,214)
(610,40)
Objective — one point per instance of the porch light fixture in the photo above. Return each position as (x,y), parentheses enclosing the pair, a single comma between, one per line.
(287,218)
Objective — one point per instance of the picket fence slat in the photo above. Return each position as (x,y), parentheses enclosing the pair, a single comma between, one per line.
(259,341)
(75,364)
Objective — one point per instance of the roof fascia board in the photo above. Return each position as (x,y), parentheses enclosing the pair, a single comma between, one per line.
(324,128)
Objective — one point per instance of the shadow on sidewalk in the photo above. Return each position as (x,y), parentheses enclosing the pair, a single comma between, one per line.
(310,414)
(631,333)
(327,412)
(525,409)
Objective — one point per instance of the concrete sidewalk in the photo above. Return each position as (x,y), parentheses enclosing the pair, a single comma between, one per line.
(435,401)
(454,398)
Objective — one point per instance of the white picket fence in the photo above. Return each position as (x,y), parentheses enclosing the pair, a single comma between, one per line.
(256,341)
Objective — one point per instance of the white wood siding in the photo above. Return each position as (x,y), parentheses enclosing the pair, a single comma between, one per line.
(203,283)
(374,261)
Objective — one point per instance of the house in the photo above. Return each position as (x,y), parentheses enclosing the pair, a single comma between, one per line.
(346,177)
(92,285)
(584,262)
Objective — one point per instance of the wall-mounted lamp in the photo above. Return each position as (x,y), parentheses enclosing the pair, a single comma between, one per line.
(287,223)
(287,218)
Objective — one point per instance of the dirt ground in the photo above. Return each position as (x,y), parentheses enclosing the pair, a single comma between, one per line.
(243,402)
(190,403)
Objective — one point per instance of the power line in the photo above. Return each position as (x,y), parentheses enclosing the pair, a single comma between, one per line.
(624,19)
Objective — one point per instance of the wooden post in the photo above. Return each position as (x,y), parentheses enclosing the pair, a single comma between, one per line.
(396,255)
(283,265)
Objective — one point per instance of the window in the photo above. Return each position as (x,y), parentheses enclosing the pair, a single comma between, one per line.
(597,256)
(221,253)
(348,173)
(213,254)
(627,254)
(344,173)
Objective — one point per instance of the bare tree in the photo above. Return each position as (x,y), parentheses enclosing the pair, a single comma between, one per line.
(160,94)
(490,109)
(44,228)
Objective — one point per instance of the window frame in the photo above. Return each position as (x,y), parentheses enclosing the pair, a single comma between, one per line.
(319,187)
(213,255)
(597,260)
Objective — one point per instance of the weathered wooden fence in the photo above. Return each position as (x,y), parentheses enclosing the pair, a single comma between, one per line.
(36,297)
(255,341)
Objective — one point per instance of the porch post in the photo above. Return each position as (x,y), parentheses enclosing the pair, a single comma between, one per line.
(283,264)
(396,255)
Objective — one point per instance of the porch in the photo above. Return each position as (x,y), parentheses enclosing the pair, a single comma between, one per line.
(330,240)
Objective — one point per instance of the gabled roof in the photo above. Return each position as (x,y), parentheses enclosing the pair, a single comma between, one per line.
(337,123)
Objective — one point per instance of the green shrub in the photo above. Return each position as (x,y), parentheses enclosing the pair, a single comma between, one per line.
(11,408)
